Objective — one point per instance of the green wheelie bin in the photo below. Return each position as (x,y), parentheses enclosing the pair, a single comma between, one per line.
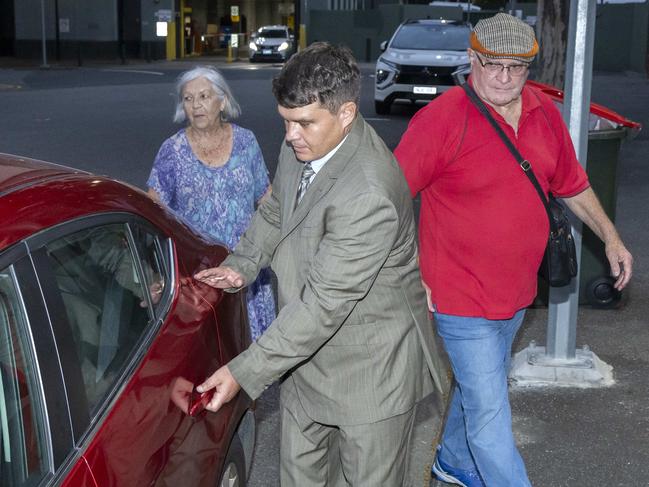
(607,130)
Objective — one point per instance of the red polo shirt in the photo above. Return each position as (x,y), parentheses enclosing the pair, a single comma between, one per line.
(483,228)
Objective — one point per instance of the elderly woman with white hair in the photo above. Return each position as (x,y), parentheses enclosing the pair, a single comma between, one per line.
(212,174)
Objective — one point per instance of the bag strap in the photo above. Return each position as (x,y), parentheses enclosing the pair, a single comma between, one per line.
(522,162)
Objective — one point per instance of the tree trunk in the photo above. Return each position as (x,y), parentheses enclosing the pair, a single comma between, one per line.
(552,32)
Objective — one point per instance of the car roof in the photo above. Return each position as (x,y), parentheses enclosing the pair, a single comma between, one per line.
(35,195)
(19,172)
(273,27)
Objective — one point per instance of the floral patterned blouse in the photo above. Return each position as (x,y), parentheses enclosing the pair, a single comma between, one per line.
(218,202)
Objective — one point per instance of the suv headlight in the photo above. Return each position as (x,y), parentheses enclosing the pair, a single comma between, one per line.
(252,46)
(384,69)
(382,75)
(283,46)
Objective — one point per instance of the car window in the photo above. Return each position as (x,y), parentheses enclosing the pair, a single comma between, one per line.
(22,458)
(105,300)
(442,37)
(154,258)
(273,33)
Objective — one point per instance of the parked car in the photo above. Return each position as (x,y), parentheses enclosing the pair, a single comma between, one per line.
(271,43)
(419,60)
(103,335)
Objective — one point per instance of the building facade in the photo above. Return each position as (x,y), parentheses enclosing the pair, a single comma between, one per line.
(126,29)
(113,29)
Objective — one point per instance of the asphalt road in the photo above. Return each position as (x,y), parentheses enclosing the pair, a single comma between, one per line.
(111,120)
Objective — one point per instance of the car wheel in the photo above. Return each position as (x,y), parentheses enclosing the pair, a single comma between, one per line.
(234,467)
(381,108)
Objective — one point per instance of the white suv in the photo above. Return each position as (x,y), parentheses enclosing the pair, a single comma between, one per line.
(419,61)
(271,42)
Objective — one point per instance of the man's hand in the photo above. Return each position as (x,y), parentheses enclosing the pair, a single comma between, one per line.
(226,388)
(621,262)
(589,210)
(220,277)
(429,300)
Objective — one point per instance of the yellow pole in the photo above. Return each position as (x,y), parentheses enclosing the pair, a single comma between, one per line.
(302,36)
(171,41)
(181,54)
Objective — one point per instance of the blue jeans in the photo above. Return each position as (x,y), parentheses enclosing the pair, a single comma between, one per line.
(478,431)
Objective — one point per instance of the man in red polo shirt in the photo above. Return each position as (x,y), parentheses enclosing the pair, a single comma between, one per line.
(483,231)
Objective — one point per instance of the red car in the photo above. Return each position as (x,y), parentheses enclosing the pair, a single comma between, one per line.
(103,335)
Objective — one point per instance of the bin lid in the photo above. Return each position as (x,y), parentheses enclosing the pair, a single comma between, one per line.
(598,110)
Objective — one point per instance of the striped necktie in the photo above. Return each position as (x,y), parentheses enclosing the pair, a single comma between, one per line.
(305,181)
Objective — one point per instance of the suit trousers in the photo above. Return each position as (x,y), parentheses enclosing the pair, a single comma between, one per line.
(321,455)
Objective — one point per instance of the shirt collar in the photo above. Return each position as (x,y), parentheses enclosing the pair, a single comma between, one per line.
(530,100)
(318,164)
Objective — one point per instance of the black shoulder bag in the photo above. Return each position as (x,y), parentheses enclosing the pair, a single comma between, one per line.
(559,264)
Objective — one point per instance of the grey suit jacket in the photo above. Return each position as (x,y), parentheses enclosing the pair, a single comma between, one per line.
(353,331)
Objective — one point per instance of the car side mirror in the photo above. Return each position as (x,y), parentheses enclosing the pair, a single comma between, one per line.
(383,46)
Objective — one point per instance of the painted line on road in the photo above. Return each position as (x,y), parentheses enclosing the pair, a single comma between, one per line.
(251,67)
(157,73)
(10,87)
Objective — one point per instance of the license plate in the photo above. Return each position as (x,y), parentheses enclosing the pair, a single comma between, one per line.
(424,90)
(266,51)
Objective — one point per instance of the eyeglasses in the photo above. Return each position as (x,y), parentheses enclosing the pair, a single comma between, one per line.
(494,69)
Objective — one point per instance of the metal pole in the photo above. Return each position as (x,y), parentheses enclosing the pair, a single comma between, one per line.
(57,30)
(77,30)
(44,65)
(559,363)
(564,302)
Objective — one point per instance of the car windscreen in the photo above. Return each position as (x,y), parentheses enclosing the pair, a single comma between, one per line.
(273,33)
(439,37)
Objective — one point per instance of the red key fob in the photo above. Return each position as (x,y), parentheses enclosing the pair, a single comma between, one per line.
(198,401)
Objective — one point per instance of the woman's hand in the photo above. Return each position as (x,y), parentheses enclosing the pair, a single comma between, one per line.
(155,292)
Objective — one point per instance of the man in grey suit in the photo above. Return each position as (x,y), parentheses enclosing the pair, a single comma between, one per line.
(352,345)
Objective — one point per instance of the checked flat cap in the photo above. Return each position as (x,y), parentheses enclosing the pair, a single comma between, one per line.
(504,36)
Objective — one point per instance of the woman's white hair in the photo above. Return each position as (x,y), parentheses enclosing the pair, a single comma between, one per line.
(231,109)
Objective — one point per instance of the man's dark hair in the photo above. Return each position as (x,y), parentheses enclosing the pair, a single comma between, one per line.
(320,73)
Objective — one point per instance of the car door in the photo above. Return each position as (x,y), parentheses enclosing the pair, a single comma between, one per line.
(166,447)
(77,305)
(134,337)
(117,338)
(105,295)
